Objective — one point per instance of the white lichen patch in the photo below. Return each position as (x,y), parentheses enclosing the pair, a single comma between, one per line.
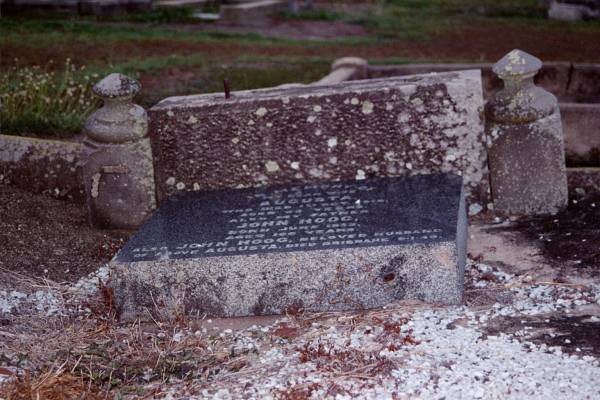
(311,119)
(170,113)
(196,186)
(360,175)
(269,124)
(235,140)
(317,108)
(180,186)
(389,156)
(389,106)
(170,181)
(318,132)
(261,112)
(272,166)
(332,142)
(333,160)
(367,107)
(354,101)
(295,165)
(251,122)
(316,172)
(475,209)
(403,117)
(192,120)
(95,185)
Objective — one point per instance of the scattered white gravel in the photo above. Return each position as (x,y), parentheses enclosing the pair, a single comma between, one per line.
(403,352)
(454,358)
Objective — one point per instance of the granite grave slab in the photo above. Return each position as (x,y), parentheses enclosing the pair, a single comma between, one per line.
(320,247)
(421,124)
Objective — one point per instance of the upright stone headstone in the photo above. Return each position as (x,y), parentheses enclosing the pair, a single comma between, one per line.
(396,126)
(326,246)
(525,141)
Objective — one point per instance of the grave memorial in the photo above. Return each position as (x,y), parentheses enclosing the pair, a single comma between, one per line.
(422,124)
(320,247)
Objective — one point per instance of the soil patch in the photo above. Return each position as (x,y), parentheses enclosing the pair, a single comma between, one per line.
(45,237)
(574,334)
(571,238)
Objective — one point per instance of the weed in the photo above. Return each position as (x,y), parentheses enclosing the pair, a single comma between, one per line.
(37,101)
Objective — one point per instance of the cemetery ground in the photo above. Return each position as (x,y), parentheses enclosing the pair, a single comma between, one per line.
(529,325)
(528,328)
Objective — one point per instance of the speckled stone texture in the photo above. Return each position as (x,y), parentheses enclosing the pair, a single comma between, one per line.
(525,141)
(118,172)
(224,254)
(372,128)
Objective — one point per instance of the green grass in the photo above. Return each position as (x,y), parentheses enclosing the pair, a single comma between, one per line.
(165,15)
(40,102)
(419,19)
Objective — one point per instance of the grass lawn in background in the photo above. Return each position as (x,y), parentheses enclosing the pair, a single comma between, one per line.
(173,55)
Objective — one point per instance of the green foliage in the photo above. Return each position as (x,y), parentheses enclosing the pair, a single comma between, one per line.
(36,101)
(414,19)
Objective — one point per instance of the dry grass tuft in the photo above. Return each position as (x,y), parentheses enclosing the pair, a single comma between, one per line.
(52,385)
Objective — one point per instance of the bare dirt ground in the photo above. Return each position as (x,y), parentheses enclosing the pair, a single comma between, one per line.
(47,238)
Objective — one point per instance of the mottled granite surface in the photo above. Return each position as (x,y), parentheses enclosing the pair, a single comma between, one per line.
(327,246)
(396,126)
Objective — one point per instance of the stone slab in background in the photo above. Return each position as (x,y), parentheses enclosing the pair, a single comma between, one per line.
(251,13)
(320,247)
(373,128)
(42,166)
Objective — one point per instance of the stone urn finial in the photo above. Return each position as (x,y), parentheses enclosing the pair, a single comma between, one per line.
(119,173)
(525,141)
(517,65)
(116,86)
(119,120)
(520,100)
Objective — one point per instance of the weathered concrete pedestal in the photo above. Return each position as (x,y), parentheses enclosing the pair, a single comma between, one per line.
(321,247)
(525,141)
(118,173)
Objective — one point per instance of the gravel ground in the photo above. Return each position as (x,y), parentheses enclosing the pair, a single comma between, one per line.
(428,352)
(529,329)
(504,349)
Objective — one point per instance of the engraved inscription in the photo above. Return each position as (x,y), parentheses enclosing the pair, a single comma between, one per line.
(309,217)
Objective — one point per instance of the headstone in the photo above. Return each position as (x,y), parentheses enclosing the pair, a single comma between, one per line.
(574,10)
(256,13)
(420,124)
(319,247)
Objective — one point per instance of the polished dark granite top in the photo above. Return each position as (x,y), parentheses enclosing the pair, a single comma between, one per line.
(374,212)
